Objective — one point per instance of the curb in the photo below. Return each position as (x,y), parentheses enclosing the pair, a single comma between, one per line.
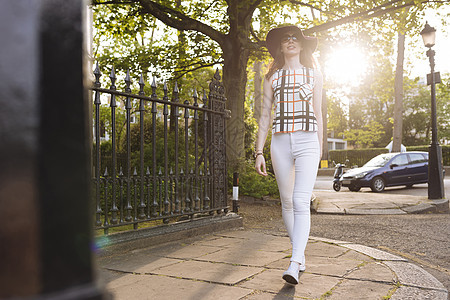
(438,206)
(129,240)
(414,282)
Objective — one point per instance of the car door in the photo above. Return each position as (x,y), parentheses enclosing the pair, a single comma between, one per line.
(398,171)
(418,165)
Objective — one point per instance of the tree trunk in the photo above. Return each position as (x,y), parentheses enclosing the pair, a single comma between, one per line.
(398,90)
(258,91)
(234,80)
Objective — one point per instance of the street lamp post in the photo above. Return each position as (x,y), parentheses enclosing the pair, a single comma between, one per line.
(435,176)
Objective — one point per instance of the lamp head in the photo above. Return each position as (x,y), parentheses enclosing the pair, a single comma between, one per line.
(428,35)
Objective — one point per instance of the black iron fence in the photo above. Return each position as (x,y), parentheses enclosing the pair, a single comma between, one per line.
(157,159)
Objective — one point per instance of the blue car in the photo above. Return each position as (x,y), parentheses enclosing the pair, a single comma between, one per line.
(389,169)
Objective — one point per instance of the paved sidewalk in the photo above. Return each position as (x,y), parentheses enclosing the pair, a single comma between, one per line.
(346,202)
(243,264)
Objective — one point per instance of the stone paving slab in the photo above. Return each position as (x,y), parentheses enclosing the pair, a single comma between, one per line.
(310,286)
(361,290)
(258,295)
(379,205)
(374,253)
(139,263)
(219,241)
(161,262)
(153,287)
(245,234)
(225,266)
(374,271)
(331,267)
(325,265)
(442,205)
(412,293)
(270,243)
(413,202)
(324,250)
(354,255)
(205,271)
(419,208)
(334,211)
(244,257)
(329,241)
(368,211)
(191,251)
(369,203)
(412,275)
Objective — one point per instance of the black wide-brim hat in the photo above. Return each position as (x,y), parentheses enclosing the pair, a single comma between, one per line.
(273,39)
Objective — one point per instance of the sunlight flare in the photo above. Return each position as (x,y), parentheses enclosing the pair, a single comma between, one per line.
(346,66)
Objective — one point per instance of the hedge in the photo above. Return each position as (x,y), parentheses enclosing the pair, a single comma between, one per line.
(356,157)
(360,156)
(445,152)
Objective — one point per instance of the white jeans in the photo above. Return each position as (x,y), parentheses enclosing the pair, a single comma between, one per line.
(295,160)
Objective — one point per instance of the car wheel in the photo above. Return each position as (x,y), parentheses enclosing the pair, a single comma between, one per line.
(354,188)
(378,184)
(336,186)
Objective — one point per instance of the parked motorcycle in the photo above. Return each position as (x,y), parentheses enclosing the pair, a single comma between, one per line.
(339,170)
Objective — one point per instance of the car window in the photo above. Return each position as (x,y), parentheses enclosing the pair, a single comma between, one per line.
(400,160)
(379,160)
(416,158)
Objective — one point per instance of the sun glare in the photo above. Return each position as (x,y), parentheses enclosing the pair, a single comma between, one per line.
(346,66)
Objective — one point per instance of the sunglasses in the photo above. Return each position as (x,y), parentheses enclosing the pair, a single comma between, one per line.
(286,38)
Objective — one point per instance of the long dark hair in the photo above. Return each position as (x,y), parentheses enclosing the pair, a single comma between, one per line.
(306,59)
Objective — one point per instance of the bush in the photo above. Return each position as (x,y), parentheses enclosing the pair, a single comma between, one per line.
(361,156)
(252,184)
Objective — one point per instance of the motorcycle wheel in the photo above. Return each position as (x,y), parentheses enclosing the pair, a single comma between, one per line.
(336,186)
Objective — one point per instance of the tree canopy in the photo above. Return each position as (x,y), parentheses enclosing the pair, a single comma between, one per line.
(171,38)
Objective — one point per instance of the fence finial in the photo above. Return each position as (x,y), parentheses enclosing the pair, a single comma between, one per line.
(165,97)
(204,99)
(128,82)
(97,74)
(217,74)
(113,77)
(175,93)
(153,88)
(141,85)
(195,96)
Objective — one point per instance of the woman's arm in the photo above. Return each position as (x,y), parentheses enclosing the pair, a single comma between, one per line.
(263,126)
(317,104)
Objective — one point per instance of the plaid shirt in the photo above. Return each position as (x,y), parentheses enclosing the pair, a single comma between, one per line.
(293,94)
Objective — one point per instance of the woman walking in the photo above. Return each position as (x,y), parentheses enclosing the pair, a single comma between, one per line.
(293,87)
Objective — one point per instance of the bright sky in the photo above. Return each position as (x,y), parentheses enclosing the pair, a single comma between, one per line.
(348,64)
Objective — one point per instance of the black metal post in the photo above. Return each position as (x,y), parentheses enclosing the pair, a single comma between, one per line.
(97,103)
(45,174)
(174,122)
(142,204)
(166,155)
(435,176)
(196,179)
(154,176)
(235,192)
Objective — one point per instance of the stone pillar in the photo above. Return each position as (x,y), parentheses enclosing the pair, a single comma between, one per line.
(45,218)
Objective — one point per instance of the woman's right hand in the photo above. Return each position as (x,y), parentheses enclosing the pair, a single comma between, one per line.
(260,165)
